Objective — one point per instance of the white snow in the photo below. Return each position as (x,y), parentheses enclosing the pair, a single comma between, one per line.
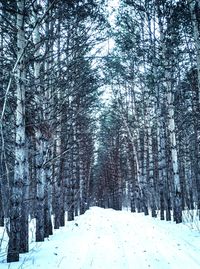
(108,239)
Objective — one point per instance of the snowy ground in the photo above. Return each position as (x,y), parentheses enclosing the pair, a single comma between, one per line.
(108,239)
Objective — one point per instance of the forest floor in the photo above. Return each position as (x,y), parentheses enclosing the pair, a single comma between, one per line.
(109,239)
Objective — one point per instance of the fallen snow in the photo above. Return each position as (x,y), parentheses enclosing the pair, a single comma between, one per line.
(108,239)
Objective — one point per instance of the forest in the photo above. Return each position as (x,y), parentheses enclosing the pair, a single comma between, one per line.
(63,148)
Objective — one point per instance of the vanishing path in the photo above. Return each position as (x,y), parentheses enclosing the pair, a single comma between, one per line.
(108,239)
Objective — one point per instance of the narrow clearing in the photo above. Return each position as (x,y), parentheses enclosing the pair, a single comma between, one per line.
(108,239)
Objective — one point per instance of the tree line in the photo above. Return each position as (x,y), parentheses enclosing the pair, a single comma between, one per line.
(150,160)
(48,98)
(54,158)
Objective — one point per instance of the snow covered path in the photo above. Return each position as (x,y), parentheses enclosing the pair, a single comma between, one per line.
(108,239)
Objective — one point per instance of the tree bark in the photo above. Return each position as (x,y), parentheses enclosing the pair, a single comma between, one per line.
(20,155)
(39,155)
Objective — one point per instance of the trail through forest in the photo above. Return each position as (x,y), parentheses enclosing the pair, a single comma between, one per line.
(109,239)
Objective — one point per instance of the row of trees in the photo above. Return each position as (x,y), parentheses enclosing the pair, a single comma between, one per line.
(48,98)
(149,137)
(151,158)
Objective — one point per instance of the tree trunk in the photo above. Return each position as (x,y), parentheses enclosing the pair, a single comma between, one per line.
(20,155)
(162,174)
(194,11)
(168,84)
(151,173)
(24,242)
(177,183)
(39,139)
(1,208)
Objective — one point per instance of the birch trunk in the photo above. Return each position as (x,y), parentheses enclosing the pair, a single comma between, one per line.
(58,205)
(174,156)
(58,198)
(40,172)
(82,178)
(131,177)
(151,172)
(138,187)
(24,235)
(70,191)
(48,228)
(171,124)
(75,183)
(20,155)
(143,166)
(161,157)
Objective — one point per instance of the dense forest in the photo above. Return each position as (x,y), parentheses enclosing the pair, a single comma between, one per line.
(63,149)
